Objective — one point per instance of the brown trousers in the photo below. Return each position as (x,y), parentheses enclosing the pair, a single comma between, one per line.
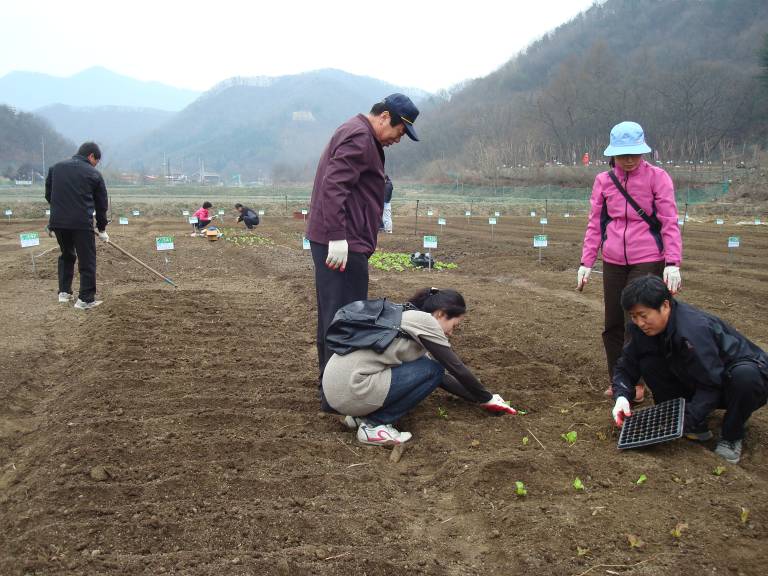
(615,278)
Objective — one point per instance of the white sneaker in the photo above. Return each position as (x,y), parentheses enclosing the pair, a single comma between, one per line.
(65,297)
(80,305)
(381,435)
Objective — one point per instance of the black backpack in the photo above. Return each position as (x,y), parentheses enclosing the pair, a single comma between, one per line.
(364,325)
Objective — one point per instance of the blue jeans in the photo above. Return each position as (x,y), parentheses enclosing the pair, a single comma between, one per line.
(411,383)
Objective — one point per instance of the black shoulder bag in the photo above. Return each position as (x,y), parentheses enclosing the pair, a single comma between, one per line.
(652,221)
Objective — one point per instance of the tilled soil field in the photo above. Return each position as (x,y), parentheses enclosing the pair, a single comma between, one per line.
(177,431)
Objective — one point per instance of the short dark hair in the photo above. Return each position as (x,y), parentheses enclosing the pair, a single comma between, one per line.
(381,107)
(238,205)
(647,291)
(431,299)
(207,204)
(88,148)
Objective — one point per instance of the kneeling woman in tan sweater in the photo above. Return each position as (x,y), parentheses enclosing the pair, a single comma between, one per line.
(375,390)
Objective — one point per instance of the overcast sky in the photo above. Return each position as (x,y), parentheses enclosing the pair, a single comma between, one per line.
(428,44)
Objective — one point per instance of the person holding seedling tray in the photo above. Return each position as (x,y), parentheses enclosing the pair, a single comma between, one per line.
(681,351)
(375,389)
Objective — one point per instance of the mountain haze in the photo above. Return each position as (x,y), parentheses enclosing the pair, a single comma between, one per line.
(92,87)
(254,126)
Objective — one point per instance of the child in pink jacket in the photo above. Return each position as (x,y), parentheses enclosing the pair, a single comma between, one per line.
(634,241)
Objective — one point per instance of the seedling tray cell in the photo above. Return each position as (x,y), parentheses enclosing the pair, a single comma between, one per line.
(660,423)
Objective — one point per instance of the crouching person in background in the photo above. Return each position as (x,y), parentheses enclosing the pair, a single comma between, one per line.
(376,389)
(681,351)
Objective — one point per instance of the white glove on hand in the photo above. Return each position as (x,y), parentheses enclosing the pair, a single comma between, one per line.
(621,410)
(672,279)
(338,250)
(498,405)
(104,236)
(582,277)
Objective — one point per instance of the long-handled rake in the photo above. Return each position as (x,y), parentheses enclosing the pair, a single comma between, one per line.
(132,257)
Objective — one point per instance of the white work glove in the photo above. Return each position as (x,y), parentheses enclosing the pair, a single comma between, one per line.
(104,236)
(498,405)
(621,410)
(582,277)
(338,250)
(672,279)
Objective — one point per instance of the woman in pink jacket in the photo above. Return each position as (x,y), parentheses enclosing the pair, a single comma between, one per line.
(636,240)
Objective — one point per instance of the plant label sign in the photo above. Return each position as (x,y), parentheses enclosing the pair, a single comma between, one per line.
(533,213)
(304,212)
(136,213)
(467,213)
(567,215)
(430,242)
(719,222)
(758,221)
(540,241)
(47,212)
(123,220)
(261,212)
(185,212)
(9,213)
(543,221)
(29,239)
(429,212)
(164,243)
(733,242)
(492,221)
(221,212)
(497,214)
(193,220)
(305,243)
(680,222)
(441,221)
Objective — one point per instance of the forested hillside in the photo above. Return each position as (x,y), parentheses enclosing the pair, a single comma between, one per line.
(22,139)
(688,70)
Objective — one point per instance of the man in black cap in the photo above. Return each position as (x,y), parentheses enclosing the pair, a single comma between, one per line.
(347,203)
(77,193)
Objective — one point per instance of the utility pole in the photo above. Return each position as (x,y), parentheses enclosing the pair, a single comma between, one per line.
(43,147)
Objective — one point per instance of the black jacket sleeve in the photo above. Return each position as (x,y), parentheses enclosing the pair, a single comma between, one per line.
(459,380)
(100,203)
(48,181)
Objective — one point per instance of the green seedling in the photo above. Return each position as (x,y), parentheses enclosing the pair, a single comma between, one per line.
(520,489)
(570,437)
(677,531)
(578,484)
(442,413)
(744,515)
(581,551)
(635,541)
(719,470)
(642,480)
(400,262)
(525,440)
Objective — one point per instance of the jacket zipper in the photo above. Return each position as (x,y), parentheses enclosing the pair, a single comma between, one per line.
(626,220)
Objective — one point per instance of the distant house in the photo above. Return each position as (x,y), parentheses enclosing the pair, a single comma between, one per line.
(303,116)
(205,177)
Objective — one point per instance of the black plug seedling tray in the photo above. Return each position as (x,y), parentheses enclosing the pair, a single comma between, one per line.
(660,423)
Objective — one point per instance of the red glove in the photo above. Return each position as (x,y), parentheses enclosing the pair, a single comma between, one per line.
(498,405)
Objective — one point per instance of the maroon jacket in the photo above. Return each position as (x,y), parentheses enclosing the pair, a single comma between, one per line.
(348,195)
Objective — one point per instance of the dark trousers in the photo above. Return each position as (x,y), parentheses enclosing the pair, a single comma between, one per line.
(411,383)
(201,224)
(77,245)
(744,390)
(335,289)
(615,278)
(250,222)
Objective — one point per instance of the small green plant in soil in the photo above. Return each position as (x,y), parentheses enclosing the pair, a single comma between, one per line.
(578,484)
(400,262)
(744,515)
(520,489)
(570,437)
(642,480)
(719,470)
(525,440)
(678,530)
(442,413)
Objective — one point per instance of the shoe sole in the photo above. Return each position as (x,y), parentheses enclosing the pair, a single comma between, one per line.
(382,443)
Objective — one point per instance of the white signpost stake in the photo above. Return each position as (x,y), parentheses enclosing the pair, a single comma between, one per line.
(431,243)
(9,213)
(467,213)
(305,245)
(543,221)
(304,214)
(540,241)
(441,222)
(136,213)
(733,242)
(221,215)
(28,240)
(163,244)
(193,220)
(492,222)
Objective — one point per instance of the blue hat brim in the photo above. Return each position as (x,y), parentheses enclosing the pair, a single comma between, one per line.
(620,150)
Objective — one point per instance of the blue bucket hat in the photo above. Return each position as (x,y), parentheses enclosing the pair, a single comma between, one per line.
(405,109)
(627,138)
